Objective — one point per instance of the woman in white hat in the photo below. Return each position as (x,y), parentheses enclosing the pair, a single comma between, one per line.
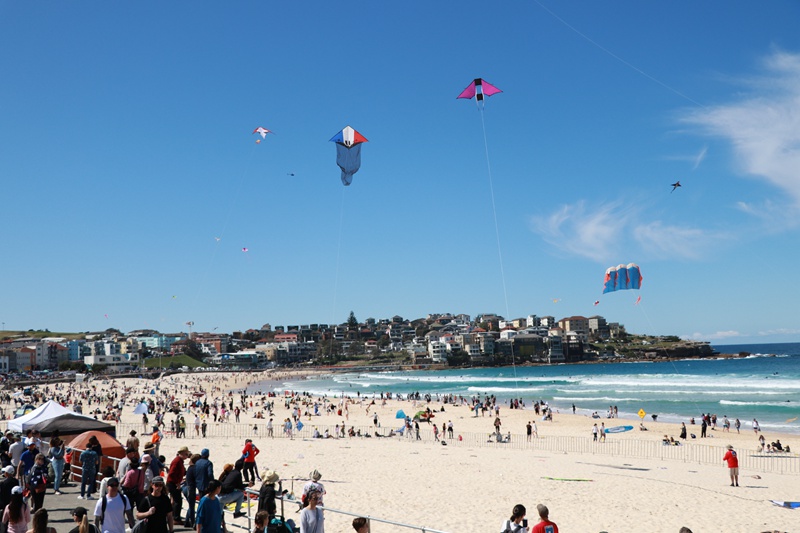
(266,495)
(314,484)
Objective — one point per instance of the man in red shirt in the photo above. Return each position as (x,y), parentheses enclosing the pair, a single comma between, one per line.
(250,451)
(733,465)
(544,525)
(175,476)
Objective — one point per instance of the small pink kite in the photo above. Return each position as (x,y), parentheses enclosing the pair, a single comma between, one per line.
(478,89)
(245,250)
(639,299)
(597,302)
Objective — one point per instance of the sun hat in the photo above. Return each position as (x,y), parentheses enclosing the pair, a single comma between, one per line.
(8,470)
(16,490)
(315,475)
(729,446)
(146,459)
(270,476)
(184,449)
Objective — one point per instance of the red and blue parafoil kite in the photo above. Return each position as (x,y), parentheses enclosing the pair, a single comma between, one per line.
(348,152)
(622,277)
(478,89)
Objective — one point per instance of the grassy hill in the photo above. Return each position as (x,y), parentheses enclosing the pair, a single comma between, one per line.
(39,334)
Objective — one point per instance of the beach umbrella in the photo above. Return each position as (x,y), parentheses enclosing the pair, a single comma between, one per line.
(400,414)
(141,409)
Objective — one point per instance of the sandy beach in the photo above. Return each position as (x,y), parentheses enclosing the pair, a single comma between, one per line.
(471,485)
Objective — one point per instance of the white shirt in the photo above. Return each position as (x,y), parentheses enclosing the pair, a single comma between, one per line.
(114,520)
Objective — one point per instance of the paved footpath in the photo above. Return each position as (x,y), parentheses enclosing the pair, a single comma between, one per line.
(60,507)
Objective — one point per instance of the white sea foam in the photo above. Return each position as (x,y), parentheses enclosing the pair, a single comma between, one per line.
(794,405)
(512,390)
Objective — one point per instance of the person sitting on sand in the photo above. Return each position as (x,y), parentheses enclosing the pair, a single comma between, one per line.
(641,427)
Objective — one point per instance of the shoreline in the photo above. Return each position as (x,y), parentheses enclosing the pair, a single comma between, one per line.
(404,479)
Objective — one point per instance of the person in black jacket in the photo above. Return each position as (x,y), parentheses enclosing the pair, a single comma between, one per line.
(266,495)
(233,488)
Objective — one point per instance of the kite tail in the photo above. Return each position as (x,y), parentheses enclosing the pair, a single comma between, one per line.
(347,178)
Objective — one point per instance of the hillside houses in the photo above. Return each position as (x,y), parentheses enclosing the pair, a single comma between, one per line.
(435,339)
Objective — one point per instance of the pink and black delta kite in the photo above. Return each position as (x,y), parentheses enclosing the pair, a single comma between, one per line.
(348,152)
(478,89)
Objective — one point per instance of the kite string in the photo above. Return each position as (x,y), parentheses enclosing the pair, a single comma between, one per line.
(218,238)
(618,58)
(497,233)
(336,270)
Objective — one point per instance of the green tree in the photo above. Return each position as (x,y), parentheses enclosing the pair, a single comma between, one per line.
(352,323)
(355,348)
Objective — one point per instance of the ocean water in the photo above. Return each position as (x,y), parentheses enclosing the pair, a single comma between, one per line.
(764,386)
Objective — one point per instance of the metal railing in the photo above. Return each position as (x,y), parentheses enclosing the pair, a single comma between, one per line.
(614,445)
(370,519)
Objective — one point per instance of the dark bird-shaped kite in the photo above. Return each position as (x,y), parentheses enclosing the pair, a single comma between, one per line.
(675,186)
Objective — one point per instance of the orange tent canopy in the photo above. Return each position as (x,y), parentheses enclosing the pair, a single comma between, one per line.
(111,448)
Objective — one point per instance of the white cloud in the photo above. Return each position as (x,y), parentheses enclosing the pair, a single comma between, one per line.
(700,157)
(674,241)
(585,231)
(697,336)
(607,231)
(763,126)
(779,331)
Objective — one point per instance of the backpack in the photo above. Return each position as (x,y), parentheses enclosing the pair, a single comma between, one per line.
(38,481)
(105,503)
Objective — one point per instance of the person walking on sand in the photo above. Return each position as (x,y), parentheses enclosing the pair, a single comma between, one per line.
(733,465)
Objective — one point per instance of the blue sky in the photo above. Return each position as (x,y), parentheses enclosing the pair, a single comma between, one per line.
(126,150)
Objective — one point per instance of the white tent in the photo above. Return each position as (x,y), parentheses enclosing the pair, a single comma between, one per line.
(49,410)
(142,409)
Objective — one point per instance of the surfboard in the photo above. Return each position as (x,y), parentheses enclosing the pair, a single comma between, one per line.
(619,429)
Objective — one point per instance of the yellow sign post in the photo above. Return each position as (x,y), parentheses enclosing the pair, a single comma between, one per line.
(641,413)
